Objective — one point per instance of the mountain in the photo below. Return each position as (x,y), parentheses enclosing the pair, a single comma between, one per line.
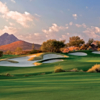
(7,39)
(22,44)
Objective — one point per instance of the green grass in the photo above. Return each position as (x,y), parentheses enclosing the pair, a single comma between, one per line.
(7,56)
(41,83)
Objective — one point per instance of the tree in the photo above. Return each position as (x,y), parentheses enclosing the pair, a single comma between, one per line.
(8,52)
(75,41)
(33,47)
(98,43)
(52,45)
(90,41)
(18,49)
(1,53)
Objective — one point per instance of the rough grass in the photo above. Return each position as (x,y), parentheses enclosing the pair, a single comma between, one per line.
(95,68)
(37,63)
(38,56)
(58,69)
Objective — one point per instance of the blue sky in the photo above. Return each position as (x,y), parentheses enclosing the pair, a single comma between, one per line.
(36,21)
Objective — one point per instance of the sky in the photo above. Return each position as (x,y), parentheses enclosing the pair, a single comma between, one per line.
(36,21)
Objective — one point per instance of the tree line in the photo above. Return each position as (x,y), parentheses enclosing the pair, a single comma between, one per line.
(54,45)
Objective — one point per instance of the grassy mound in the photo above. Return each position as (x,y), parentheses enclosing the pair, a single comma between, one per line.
(12,61)
(58,69)
(38,56)
(37,63)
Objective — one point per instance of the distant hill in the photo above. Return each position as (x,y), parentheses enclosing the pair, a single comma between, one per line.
(7,39)
(22,44)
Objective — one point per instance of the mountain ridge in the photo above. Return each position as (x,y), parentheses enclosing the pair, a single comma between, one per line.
(7,39)
(10,42)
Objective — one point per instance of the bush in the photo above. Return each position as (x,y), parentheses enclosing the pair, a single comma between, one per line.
(95,68)
(52,45)
(1,53)
(8,74)
(35,51)
(58,69)
(74,70)
(98,49)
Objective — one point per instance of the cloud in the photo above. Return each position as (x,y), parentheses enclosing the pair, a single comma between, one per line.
(78,25)
(11,24)
(33,37)
(75,16)
(13,1)
(37,15)
(56,32)
(86,7)
(55,28)
(8,29)
(22,19)
(71,23)
(92,32)
(3,8)
(53,32)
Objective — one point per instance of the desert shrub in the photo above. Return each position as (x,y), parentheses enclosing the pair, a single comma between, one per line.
(1,53)
(64,50)
(81,70)
(8,52)
(98,49)
(35,51)
(74,70)
(58,69)
(95,68)
(37,63)
(8,74)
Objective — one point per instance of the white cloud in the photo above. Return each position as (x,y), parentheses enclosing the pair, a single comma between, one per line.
(20,18)
(11,24)
(8,29)
(71,23)
(84,25)
(54,28)
(78,25)
(86,7)
(92,32)
(3,8)
(37,15)
(75,16)
(13,1)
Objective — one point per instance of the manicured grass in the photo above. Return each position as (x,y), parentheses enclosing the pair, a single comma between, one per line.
(41,83)
(7,56)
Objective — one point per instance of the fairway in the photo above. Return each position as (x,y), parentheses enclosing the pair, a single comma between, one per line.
(41,83)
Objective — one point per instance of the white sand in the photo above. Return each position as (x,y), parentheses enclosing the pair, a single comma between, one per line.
(50,56)
(23,61)
(96,52)
(78,54)
(52,61)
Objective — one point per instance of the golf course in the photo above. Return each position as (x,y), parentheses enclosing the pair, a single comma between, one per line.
(42,83)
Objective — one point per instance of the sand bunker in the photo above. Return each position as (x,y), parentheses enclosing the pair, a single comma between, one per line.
(50,56)
(23,61)
(96,52)
(78,54)
(52,61)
